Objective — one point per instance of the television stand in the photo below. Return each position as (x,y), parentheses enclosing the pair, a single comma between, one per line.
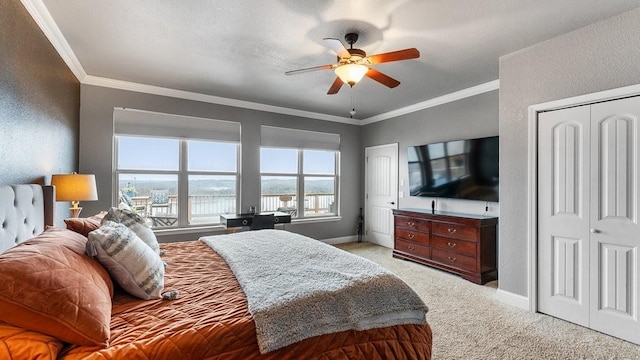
(461,244)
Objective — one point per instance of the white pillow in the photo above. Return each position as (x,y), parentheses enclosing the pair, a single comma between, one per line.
(134,222)
(129,261)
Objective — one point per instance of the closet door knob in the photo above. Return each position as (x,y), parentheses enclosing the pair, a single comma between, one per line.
(594,231)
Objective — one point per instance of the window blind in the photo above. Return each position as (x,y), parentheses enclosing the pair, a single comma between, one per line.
(149,123)
(271,136)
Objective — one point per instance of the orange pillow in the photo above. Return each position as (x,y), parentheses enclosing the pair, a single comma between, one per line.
(85,225)
(49,285)
(18,343)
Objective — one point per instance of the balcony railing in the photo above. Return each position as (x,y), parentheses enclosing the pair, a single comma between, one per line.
(206,209)
(314,204)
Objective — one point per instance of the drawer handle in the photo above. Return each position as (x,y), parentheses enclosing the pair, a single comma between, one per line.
(451,244)
(452,259)
(411,248)
(411,236)
(410,223)
(451,231)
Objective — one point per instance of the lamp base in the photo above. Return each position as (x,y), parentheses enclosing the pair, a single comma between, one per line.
(75,209)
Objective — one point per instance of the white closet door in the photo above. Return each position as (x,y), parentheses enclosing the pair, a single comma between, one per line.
(588,231)
(615,232)
(563,214)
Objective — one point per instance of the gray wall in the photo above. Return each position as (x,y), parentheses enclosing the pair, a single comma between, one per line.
(39,102)
(96,149)
(598,57)
(472,117)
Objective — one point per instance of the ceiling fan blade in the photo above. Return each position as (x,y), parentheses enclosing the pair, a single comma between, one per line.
(335,87)
(405,54)
(382,78)
(322,67)
(338,47)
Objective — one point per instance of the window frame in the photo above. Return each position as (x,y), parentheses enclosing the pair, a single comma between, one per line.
(182,174)
(300,181)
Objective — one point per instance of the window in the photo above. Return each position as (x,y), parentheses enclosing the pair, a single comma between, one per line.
(176,181)
(298,180)
(149,172)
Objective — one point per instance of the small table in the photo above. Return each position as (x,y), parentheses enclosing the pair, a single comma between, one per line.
(240,220)
(159,221)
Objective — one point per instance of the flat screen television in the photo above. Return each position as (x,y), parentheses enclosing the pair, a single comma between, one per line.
(462,169)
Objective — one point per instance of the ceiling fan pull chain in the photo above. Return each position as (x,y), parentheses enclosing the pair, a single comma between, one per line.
(353,108)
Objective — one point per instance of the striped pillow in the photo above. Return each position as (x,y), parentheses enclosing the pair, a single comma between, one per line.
(129,261)
(136,223)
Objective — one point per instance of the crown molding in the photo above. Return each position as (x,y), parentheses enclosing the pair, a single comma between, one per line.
(454,96)
(42,17)
(188,95)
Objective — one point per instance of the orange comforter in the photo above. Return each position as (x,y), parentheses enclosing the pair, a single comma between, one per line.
(210,320)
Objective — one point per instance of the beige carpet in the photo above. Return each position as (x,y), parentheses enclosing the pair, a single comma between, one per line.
(468,322)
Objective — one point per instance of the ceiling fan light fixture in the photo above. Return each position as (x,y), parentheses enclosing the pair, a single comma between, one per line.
(351,73)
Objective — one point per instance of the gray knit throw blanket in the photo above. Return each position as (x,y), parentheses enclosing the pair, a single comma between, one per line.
(298,287)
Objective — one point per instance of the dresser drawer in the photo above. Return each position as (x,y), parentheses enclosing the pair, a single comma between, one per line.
(455,231)
(413,224)
(452,259)
(455,245)
(413,236)
(413,249)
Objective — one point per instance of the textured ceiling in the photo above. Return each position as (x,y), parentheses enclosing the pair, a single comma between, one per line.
(241,49)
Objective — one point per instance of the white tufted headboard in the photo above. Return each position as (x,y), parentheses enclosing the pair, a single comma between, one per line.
(25,210)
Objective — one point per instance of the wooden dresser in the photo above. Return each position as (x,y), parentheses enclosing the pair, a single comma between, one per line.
(458,243)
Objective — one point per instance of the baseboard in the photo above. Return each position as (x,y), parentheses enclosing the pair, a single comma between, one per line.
(512,299)
(340,240)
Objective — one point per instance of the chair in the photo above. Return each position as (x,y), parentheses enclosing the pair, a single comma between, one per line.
(137,208)
(159,200)
(263,221)
(289,210)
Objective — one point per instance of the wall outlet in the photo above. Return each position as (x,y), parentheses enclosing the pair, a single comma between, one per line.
(401,194)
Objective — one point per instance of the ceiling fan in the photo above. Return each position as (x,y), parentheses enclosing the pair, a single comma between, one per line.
(354,64)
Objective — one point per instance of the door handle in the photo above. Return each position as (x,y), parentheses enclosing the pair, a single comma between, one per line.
(392,203)
(594,231)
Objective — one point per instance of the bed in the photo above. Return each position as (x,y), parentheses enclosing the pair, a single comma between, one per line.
(211,318)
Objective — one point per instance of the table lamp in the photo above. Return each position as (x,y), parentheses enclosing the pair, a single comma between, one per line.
(75,188)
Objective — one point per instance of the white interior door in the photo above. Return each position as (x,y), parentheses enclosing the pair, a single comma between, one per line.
(588,227)
(615,232)
(381,193)
(563,214)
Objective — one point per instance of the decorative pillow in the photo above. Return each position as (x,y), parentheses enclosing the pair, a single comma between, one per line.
(19,343)
(48,285)
(136,223)
(85,225)
(131,263)
(159,196)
